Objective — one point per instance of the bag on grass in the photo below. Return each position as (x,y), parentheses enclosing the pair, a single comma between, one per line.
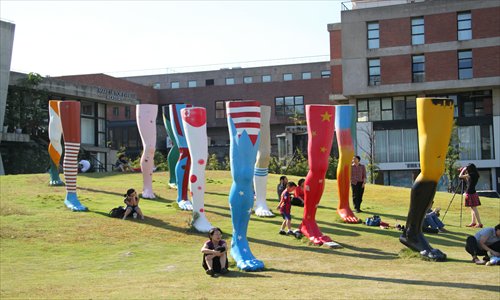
(117,212)
(373,221)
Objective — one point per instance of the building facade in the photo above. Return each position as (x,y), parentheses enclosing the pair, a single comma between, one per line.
(386,54)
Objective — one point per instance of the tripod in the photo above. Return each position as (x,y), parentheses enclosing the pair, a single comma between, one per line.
(461,188)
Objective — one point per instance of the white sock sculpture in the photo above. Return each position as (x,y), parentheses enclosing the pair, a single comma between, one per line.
(262,164)
(146,122)
(194,121)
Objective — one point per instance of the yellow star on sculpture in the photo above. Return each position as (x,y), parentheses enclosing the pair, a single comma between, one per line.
(314,133)
(322,149)
(326,117)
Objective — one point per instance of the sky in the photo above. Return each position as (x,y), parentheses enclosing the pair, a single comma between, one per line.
(128,38)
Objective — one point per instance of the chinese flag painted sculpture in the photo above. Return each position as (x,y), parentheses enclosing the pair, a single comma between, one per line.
(146,122)
(434,121)
(195,127)
(71,128)
(184,162)
(320,129)
(173,154)
(243,119)
(55,147)
(345,129)
(262,164)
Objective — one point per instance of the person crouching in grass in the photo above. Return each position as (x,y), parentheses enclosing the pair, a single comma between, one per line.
(214,253)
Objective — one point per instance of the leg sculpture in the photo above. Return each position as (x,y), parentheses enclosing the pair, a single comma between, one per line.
(435,118)
(345,128)
(262,164)
(243,119)
(55,147)
(320,129)
(184,162)
(195,127)
(146,122)
(173,154)
(70,120)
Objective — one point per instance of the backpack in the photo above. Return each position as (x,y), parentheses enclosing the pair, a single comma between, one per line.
(117,212)
(373,221)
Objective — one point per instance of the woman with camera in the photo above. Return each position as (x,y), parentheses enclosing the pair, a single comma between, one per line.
(471,176)
(132,202)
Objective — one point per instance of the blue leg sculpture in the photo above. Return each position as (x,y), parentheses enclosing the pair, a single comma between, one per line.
(244,133)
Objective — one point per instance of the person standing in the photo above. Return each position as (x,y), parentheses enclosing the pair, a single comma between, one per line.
(358,180)
(471,176)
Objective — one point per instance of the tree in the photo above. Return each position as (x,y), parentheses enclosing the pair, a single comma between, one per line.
(452,156)
(368,149)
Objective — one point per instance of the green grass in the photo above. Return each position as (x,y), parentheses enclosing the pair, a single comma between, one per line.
(48,251)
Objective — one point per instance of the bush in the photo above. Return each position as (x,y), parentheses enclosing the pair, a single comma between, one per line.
(213,162)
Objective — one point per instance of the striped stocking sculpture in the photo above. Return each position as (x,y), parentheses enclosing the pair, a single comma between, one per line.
(71,129)
(262,164)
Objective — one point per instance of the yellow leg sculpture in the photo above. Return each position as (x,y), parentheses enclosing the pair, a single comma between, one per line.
(435,120)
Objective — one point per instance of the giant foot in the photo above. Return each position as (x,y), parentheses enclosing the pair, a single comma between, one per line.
(347,215)
(417,242)
(73,203)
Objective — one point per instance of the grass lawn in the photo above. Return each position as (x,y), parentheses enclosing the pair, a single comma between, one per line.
(47,251)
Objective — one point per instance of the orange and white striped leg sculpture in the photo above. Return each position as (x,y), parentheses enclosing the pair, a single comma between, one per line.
(71,128)
(55,147)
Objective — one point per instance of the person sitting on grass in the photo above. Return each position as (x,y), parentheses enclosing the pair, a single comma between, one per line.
(285,207)
(484,241)
(432,224)
(123,164)
(132,202)
(298,196)
(214,253)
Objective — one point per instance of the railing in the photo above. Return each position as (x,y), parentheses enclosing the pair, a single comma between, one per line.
(360,4)
(96,165)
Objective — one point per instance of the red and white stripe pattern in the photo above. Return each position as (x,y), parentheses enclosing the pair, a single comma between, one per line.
(70,165)
(246,117)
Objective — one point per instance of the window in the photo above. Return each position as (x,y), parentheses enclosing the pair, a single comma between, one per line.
(192,83)
(127,112)
(174,85)
(417,31)
(220,109)
(289,105)
(247,79)
(287,76)
(306,75)
(386,108)
(465,64)
(156,85)
(476,142)
(87,108)
(229,81)
(373,35)
(266,78)
(116,111)
(325,74)
(464,26)
(418,68)
(374,71)
(397,145)
(209,82)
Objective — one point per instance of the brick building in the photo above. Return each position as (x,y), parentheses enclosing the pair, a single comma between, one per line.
(384,54)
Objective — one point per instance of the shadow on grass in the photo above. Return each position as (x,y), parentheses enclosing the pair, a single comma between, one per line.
(461,285)
(243,274)
(100,191)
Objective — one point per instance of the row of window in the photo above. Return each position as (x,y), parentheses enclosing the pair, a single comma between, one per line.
(418,67)
(245,80)
(464,30)
(468,104)
(116,111)
(401,145)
